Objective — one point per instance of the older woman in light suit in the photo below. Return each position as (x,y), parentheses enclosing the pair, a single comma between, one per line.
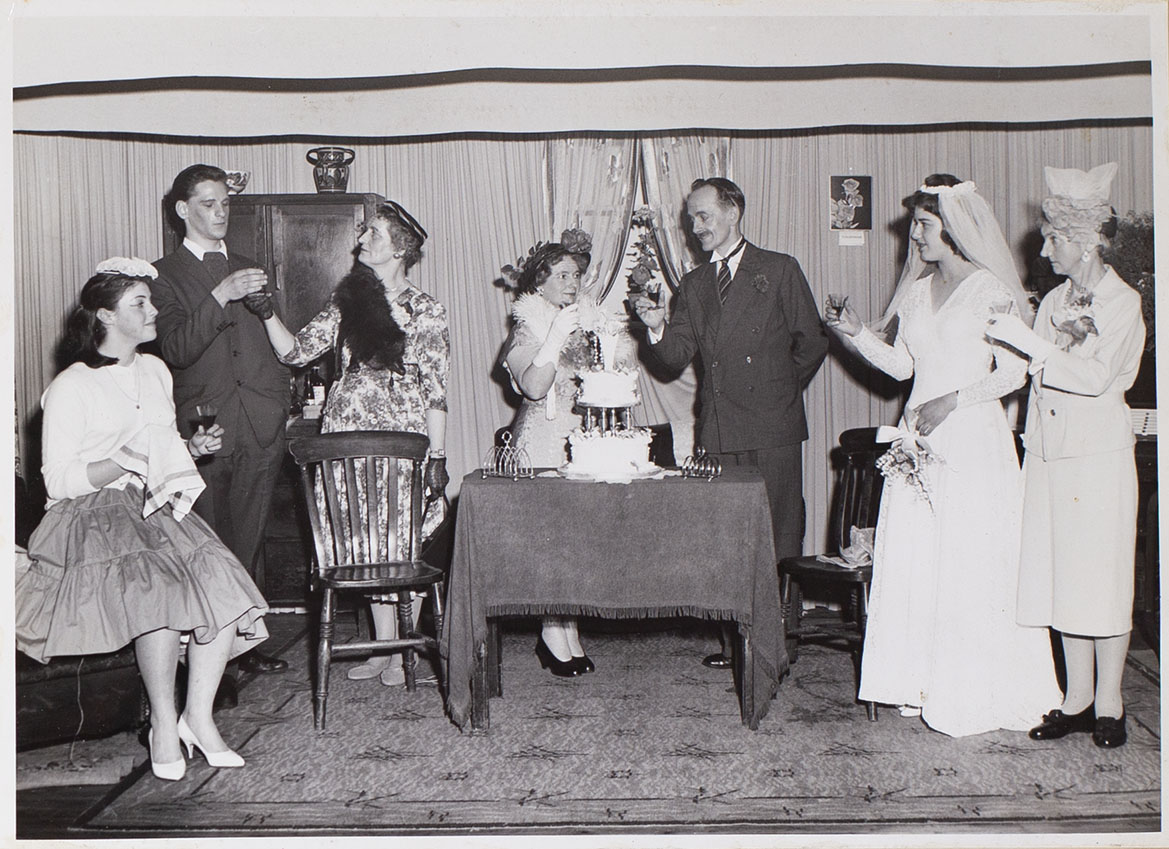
(1079,515)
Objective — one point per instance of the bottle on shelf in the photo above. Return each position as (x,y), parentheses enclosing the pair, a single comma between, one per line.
(314,392)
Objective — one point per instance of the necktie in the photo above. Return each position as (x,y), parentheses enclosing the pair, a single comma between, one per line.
(216,265)
(724,273)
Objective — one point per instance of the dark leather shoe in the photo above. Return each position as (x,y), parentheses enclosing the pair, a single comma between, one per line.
(1058,724)
(1110,732)
(585,663)
(718,661)
(560,668)
(255,662)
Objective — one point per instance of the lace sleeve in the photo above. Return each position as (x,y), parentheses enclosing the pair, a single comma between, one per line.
(1010,371)
(1010,368)
(895,360)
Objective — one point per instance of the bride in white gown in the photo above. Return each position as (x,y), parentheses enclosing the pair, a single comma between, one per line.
(942,635)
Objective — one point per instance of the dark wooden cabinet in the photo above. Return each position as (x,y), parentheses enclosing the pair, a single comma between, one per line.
(306,244)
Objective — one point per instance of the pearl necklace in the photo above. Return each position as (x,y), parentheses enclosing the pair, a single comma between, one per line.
(137,396)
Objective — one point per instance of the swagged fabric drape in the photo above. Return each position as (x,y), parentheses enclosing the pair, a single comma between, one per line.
(590,184)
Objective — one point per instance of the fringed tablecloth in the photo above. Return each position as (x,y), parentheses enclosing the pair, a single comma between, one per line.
(653,548)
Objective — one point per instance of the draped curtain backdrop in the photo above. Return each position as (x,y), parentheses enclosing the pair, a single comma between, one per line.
(80,199)
(669,165)
(591,182)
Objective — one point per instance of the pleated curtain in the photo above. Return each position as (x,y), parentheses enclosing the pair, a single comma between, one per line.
(486,199)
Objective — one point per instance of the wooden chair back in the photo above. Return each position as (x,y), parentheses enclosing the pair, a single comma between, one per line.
(858,490)
(346,467)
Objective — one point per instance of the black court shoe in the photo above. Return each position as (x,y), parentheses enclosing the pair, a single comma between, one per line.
(585,664)
(1058,724)
(1110,732)
(561,668)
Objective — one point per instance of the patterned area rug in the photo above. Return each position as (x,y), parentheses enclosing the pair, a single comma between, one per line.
(652,742)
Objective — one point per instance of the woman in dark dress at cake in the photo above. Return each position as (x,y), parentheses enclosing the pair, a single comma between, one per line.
(545,350)
(118,558)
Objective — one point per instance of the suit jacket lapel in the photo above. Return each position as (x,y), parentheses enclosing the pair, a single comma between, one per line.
(196,270)
(707,292)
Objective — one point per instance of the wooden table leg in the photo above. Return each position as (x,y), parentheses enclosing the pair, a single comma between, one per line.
(494,659)
(480,713)
(746,669)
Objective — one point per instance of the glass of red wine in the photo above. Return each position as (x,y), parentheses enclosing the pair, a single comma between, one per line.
(206,414)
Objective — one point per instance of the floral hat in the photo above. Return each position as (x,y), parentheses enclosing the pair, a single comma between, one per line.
(574,241)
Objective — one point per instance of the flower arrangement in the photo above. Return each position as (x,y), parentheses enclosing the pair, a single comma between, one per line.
(642,277)
(761,283)
(906,461)
(1074,319)
(129,266)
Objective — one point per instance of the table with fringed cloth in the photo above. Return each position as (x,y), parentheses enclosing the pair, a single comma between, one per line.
(651,548)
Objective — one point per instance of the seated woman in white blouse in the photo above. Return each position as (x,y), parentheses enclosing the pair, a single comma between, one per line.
(118,558)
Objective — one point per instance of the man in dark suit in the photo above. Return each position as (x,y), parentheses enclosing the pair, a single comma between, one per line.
(749,315)
(219,354)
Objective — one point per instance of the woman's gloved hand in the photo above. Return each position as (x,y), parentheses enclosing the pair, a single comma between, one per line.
(566,321)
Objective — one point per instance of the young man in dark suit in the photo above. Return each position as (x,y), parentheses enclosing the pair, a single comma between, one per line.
(750,316)
(219,354)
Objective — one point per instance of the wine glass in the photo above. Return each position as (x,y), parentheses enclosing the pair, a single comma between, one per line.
(206,414)
(836,305)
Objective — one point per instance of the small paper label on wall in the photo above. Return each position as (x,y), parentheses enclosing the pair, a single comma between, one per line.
(852,237)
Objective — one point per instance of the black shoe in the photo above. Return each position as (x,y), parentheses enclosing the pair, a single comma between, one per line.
(1058,724)
(585,663)
(1109,732)
(561,668)
(253,661)
(718,661)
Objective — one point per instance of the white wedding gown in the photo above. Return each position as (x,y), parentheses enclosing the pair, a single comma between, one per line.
(942,632)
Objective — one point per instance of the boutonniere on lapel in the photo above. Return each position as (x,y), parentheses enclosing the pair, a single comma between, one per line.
(761,283)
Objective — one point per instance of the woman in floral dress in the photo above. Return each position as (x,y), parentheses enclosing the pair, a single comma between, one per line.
(1080,509)
(545,350)
(942,639)
(393,349)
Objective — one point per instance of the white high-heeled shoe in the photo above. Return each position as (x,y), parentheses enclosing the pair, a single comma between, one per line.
(226,759)
(173,771)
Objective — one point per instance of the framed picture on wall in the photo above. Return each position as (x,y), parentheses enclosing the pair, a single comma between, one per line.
(850,203)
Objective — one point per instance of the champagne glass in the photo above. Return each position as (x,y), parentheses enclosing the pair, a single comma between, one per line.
(206,414)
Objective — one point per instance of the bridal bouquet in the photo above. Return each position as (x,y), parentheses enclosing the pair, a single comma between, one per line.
(906,461)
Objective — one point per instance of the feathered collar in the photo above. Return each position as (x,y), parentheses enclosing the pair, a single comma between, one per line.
(536,311)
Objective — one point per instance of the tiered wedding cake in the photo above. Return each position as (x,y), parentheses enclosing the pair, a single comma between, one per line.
(607,447)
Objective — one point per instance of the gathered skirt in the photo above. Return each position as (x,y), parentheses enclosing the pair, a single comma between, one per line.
(101,575)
